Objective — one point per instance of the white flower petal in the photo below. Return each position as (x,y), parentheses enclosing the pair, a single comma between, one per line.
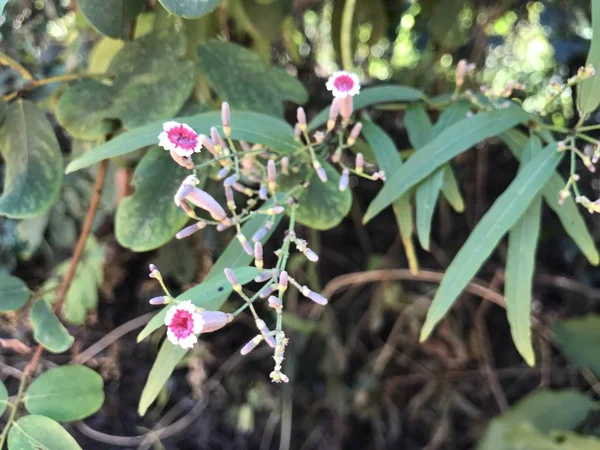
(170,314)
(171,337)
(168,125)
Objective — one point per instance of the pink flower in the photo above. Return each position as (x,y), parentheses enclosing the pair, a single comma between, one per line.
(183,324)
(343,84)
(180,138)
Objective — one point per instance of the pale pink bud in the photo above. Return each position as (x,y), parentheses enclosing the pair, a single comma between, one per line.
(360,163)
(216,138)
(344,180)
(297,132)
(230,180)
(229,195)
(260,234)
(285,165)
(223,173)
(251,345)
(232,278)
(183,161)
(262,192)
(266,291)
(184,189)
(271,211)
(275,303)
(301,116)
(154,273)
(319,137)
(271,175)
(317,298)
(461,72)
(245,146)
(226,119)
(214,320)
(188,231)
(284,279)
(258,255)
(205,201)
(337,155)
(245,244)
(262,277)
(264,330)
(334,111)
(161,300)
(354,133)
(346,107)
(310,255)
(208,145)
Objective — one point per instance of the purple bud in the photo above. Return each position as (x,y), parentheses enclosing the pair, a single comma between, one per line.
(337,155)
(182,192)
(216,138)
(310,255)
(154,273)
(354,133)
(317,298)
(301,116)
(231,277)
(266,291)
(271,211)
(161,300)
(274,302)
(230,180)
(188,231)
(334,110)
(284,279)
(260,234)
(251,345)
(214,320)
(245,244)
(360,163)
(205,201)
(208,145)
(226,118)
(264,330)
(222,173)
(258,250)
(344,180)
(271,174)
(321,174)
(262,277)
(262,192)
(285,165)
(319,137)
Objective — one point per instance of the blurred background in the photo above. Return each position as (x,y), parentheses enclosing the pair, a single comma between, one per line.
(359,377)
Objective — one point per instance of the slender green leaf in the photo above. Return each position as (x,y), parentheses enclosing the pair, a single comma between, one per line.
(372,96)
(418,125)
(449,143)
(34,164)
(13,293)
(170,355)
(241,77)
(39,433)
(149,218)
(544,410)
(206,295)
(579,338)
(520,265)
(190,9)
(389,160)
(569,213)
(47,329)
(3,398)
(321,206)
(501,217)
(2,5)
(66,393)
(588,97)
(111,17)
(451,191)
(248,126)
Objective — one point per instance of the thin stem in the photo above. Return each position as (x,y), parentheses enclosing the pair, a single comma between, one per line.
(14,409)
(34,84)
(589,128)
(346,34)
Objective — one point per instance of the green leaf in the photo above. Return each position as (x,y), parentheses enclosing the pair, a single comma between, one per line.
(242,78)
(372,96)
(190,9)
(248,126)
(569,213)
(47,329)
(39,433)
(2,5)
(418,125)
(520,265)
(579,339)
(321,206)
(102,53)
(111,17)
(170,355)
(149,218)
(14,293)
(389,160)
(501,217)
(142,91)
(449,143)
(588,97)
(525,436)
(66,393)
(545,411)
(451,190)
(3,398)
(207,295)
(34,164)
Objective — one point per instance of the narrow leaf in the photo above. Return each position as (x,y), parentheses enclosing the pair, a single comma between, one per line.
(451,190)
(418,125)
(569,213)
(501,217)
(451,142)
(372,96)
(13,293)
(47,329)
(39,433)
(520,265)
(588,96)
(3,398)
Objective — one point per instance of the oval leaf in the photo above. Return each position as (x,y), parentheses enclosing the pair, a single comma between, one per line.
(111,17)
(190,9)
(449,143)
(149,218)
(66,393)
(13,293)
(39,432)
(170,355)
(248,126)
(34,164)
(373,96)
(588,96)
(47,329)
(501,217)
(579,339)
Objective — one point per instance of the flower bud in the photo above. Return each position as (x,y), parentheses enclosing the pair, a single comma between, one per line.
(251,345)
(208,145)
(311,255)
(379,175)
(337,155)
(334,111)
(284,279)
(563,195)
(271,175)
(360,163)
(183,161)
(226,119)
(262,277)
(154,273)
(222,173)
(346,108)
(320,171)
(275,303)
(354,133)
(160,300)
(461,72)
(245,244)
(319,137)
(217,141)
(258,255)
(344,180)
(214,320)
(317,298)
(266,291)
(262,192)
(260,234)
(205,201)
(297,132)
(233,279)
(264,330)
(185,188)
(229,198)
(301,116)
(271,211)
(285,165)
(188,231)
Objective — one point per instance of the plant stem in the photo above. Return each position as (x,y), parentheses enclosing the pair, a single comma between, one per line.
(346,34)
(58,79)
(14,410)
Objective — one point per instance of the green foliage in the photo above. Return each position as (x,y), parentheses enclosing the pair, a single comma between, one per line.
(149,218)
(13,293)
(449,143)
(544,411)
(241,78)
(322,206)
(248,126)
(47,329)
(3,398)
(33,162)
(111,17)
(501,217)
(39,432)
(190,9)
(588,97)
(520,265)
(526,436)
(141,93)
(66,393)
(579,339)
